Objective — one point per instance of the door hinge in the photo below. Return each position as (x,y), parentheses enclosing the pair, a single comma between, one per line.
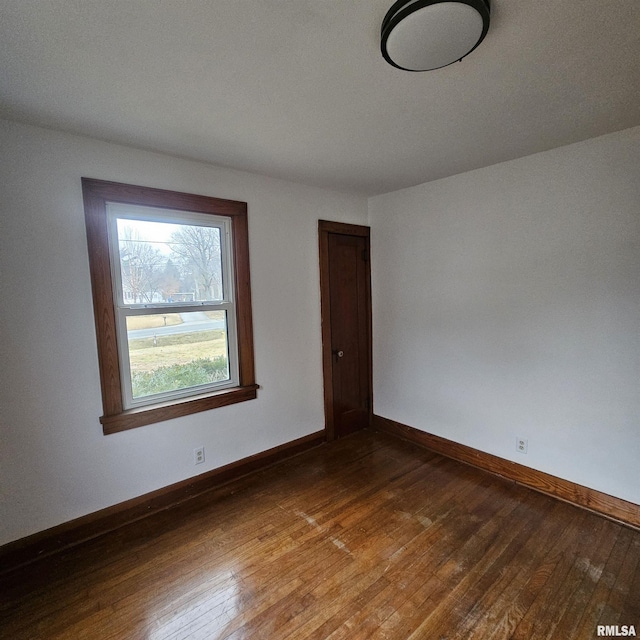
(367,404)
(365,255)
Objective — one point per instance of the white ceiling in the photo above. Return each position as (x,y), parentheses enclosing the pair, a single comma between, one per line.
(297,89)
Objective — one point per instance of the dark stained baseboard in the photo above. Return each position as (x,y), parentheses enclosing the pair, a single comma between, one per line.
(609,506)
(68,534)
(25,550)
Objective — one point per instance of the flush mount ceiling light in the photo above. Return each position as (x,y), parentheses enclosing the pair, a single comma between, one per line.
(420,35)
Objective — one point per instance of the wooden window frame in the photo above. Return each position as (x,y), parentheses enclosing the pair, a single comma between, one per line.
(96,194)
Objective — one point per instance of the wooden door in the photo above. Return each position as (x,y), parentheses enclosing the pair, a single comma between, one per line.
(346,327)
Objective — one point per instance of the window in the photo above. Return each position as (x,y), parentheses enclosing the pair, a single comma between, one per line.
(172,302)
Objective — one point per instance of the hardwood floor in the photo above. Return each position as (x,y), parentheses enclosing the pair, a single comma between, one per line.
(366,537)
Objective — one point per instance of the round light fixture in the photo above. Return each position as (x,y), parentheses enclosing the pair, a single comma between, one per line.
(420,35)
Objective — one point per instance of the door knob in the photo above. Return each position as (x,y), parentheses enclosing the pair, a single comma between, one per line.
(338,353)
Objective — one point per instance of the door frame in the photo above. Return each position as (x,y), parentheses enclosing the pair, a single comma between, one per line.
(325,227)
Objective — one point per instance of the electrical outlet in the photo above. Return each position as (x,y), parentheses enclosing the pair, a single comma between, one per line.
(198,455)
(522,445)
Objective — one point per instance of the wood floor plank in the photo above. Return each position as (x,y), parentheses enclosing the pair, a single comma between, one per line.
(593,609)
(623,603)
(493,614)
(513,562)
(551,592)
(588,570)
(401,559)
(473,569)
(365,537)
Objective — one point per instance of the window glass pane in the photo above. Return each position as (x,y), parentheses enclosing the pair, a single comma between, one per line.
(162,262)
(191,349)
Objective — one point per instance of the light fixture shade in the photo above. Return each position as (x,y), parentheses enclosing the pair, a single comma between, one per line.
(420,35)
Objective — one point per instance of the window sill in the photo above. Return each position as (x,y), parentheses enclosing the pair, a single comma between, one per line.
(142,416)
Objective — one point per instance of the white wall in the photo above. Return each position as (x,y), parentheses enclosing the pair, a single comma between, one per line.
(55,463)
(507,303)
